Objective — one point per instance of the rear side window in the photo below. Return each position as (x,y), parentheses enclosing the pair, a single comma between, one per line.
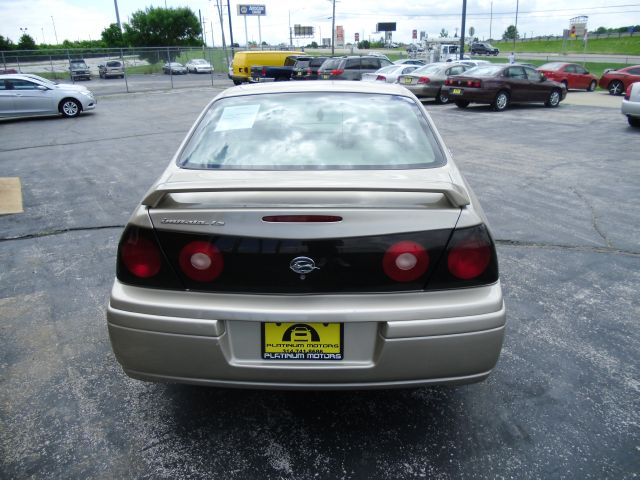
(533,75)
(316,62)
(634,71)
(370,64)
(352,64)
(313,131)
(330,64)
(570,69)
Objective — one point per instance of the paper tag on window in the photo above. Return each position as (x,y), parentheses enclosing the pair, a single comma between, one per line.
(237,118)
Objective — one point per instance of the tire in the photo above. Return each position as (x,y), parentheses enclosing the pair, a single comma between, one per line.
(634,121)
(592,86)
(554,99)
(501,102)
(616,87)
(237,82)
(442,98)
(69,107)
(462,103)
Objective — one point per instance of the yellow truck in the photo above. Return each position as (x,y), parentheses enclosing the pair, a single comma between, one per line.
(240,70)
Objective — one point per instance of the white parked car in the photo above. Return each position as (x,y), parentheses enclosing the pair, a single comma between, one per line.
(25,95)
(631,104)
(198,65)
(388,74)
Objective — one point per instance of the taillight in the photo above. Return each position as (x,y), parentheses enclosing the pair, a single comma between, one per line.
(308,71)
(381,78)
(447,82)
(405,261)
(201,261)
(627,92)
(141,256)
(469,260)
(337,71)
(474,83)
(423,80)
(264,72)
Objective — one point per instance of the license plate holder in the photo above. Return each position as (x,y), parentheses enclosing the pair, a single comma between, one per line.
(456,91)
(302,341)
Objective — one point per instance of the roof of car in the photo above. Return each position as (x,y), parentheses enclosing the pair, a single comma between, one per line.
(319,86)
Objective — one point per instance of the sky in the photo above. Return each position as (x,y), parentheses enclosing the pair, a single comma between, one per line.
(85,19)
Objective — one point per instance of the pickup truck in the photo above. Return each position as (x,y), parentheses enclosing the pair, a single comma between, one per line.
(271,73)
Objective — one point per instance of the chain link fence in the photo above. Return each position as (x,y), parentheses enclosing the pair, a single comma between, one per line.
(144,68)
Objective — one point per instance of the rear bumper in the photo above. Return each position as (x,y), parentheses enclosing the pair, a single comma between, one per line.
(392,340)
(630,109)
(423,91)
(471,95)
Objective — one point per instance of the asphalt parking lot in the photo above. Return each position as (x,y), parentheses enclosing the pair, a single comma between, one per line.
(560,188)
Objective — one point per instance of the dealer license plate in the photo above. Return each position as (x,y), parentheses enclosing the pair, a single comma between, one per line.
(456,91)
(302,341)
(407,79)
(325,77)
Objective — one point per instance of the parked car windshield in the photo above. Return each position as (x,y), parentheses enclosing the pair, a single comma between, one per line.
(315,130)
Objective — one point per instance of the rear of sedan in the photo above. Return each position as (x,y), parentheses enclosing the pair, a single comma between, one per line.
(356,257)
(427,81)
(631,104)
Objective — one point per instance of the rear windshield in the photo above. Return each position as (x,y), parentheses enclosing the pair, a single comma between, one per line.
(330,63)
(302,64)
(313,131)
(316,62)
(551,66)
(484,70)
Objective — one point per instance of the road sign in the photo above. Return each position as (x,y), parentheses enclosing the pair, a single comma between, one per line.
(252,10)
(472,31)
(414,34)
(357,37)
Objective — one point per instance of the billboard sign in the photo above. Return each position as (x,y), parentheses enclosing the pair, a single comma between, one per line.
(252,10)
(357,37)
(414,34)
(302,31)
(339,35)
(386,27)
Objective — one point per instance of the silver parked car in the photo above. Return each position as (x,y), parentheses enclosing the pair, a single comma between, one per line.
(356,257)
(112,68)
(25,95)
(174,68)
(631,104)
(427,82)
(198,65)
(388,74)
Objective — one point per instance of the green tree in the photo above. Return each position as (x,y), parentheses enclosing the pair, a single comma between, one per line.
(155,27)
(364,45)
(26,43)
(444,33)
(112,36)
(510,33)
(6,44)
(601,30)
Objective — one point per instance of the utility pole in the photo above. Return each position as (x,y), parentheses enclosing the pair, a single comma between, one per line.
(115,2)
(515,34)
(491,21)
(464,19)
(230,27)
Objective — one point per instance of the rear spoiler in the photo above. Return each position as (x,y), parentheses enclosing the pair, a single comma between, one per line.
(455,194)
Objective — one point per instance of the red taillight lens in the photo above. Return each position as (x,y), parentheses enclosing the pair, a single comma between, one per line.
(381,78)
(308,71)
(141,256)
(447,82)
(201,261)
(264,72)
(627,92)
(405,261)
(302,218)
(423,80)
(469,259)
(337,71)
(473,83)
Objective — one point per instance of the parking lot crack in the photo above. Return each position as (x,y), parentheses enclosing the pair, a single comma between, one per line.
(93,140)
(48,233)
(578,248)
(594,216)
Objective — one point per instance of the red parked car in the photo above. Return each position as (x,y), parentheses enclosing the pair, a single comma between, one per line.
(573,76)
(617,81)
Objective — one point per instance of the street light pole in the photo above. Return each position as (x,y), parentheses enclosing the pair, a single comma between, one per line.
(515,34)
(464,18)
(491,21)
(333,30)
(54,30)
(115,2)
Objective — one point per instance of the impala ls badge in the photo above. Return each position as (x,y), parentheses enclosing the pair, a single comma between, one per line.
(303,266)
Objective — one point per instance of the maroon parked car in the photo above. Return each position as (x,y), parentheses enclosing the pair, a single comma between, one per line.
(501,85)
(617,81)
(571,75)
